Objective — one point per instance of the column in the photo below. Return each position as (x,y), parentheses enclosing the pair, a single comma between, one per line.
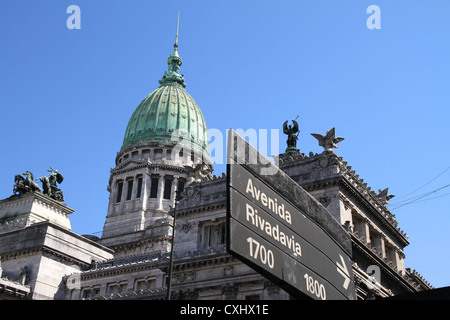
(135,188)
(400,260)
(145,190)
(112,197)
(366,230)
(160,195)
(397,260)
(383,246)
(173,197)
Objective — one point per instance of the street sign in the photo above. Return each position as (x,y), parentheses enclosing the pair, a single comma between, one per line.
(276,238)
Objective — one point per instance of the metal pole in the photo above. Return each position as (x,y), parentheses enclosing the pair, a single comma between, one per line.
(169,278)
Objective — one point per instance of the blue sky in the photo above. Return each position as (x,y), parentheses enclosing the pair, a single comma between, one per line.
(66,95)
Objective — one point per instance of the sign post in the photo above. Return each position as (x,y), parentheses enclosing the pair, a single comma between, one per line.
(268,229)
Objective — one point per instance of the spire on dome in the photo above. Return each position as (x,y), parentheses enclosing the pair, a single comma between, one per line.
(175,46)
(174,62)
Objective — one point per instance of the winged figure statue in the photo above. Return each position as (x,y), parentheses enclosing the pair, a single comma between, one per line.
(292,133)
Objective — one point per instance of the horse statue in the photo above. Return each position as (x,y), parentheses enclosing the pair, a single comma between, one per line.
(45,185)
(23,185)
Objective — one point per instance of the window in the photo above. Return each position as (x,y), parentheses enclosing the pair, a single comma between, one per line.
(154,188)
(117,287)
(113,289)
(143,284)
(167,188)
(90,292)
(180,188)
(213,235)
(139,188)
(390,254)
(158,154)
(146,153)
(119,191)
(86,293)
(95,292)
(129,189)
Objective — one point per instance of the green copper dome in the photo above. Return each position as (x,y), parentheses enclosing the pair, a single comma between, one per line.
(168,114)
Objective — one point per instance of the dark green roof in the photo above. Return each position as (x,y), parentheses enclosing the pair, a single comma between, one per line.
(164,111)
(167,111)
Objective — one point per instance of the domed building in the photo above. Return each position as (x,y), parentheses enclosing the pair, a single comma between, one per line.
(165,148)
(162,172)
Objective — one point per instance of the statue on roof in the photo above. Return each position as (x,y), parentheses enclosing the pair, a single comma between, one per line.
(329,141)
(49,184)
(23,185)
(383,196)
(292,132)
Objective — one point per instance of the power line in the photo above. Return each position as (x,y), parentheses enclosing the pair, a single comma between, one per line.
(419,198)
(440,174)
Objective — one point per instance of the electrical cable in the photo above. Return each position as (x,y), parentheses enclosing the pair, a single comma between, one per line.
(419,198)
(440,174)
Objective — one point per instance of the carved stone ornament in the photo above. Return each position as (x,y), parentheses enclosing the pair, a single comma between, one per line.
(228,271)
(383,196)
(329,141)
(325,200)
(230,290)
(186,227)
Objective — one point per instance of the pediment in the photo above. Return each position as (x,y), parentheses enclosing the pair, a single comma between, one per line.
(131,164)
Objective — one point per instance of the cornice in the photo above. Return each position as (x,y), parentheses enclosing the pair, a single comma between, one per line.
(46,251)
(201,208)
(140,242)
(188,260)
(394,274)
(331,170)
(140,164)
(42,199)
(382,218)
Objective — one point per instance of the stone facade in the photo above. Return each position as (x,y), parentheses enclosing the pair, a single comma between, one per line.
(37,249)
(377,241)
(204,270)
(40,256)
(163,200)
